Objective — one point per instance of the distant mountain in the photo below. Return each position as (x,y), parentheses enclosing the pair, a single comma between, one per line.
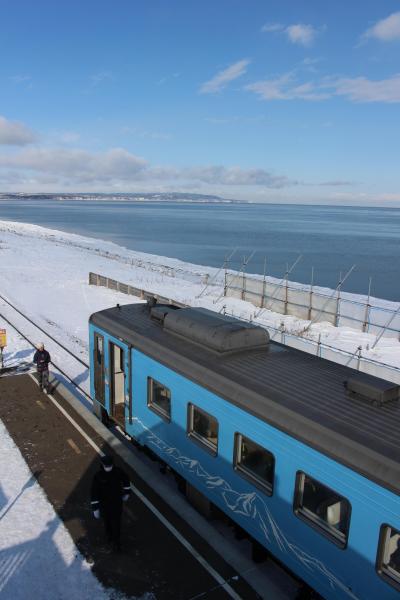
(137,197)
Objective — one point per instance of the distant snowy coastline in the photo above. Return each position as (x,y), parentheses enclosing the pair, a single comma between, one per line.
(128,197)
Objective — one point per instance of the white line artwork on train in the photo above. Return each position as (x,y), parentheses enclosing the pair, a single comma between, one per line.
(250,505)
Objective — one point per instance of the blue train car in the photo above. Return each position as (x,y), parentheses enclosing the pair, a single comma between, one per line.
(301,453)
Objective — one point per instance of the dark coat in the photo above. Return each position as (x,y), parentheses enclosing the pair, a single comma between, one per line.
(108,488)
(42,359)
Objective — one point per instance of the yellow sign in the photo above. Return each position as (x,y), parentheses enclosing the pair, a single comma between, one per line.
(3,338)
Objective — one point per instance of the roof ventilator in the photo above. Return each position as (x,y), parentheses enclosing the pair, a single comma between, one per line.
(219,333)
(373,389)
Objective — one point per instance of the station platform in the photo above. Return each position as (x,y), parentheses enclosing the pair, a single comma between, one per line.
(64,462)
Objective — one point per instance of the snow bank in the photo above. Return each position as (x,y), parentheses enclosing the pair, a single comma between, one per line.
(38,558)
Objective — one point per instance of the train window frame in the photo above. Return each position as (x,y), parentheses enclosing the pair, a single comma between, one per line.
(387,573)
(339,538)
(152,405)
(197,438)
(267,487)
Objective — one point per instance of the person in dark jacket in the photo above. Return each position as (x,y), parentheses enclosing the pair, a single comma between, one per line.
(110,488)
(42,359)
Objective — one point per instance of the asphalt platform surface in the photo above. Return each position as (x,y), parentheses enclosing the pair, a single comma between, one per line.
(152,560)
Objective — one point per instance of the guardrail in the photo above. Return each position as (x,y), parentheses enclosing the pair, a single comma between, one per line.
(354,360)
(118,286)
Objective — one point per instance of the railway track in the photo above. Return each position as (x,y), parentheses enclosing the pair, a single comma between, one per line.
(28,338)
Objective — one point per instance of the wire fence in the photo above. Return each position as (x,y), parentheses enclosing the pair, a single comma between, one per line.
(321,349)
(313,304)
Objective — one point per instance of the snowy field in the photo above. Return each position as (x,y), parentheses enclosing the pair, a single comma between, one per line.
(45,274)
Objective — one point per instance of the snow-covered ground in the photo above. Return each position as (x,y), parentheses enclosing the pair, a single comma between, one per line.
(45,273)
(38,558)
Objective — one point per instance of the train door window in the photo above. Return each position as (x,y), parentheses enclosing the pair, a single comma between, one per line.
(98,361)
(159,398)
(117,376)
(255,463)
(322,508)
(203,428)
(388,561)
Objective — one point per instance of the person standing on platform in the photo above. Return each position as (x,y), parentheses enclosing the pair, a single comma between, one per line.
(42,360)
(110,488)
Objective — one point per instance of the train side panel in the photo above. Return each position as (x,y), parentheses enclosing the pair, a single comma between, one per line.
(335,572)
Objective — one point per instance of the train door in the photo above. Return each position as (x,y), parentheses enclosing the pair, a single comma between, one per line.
(118,381)
(98,363)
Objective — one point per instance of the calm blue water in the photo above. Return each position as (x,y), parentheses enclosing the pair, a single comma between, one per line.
(331,239)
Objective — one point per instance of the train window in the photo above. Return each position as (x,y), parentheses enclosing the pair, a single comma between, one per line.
(388,561)
(254,463)
(159,398)
(98,355)
(322,508)
(203,428)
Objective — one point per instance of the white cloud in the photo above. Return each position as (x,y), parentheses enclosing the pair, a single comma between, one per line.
(298,33)
(79,165)
(221,79)
(98,78)
(272,27)
(118,167)
(215,175)
(309,61)
(385,30)
(361,89)
(337,183)
(301,34)
(20,78)
(14,133)
(358,89)
(69,137)
(286,87)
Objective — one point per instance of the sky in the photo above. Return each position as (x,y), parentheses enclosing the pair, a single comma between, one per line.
(267,101)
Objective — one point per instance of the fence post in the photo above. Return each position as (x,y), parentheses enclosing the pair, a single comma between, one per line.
(359,349)
(225,275)
(338,301)
(243,295)
(286,289)
(264,284)
(319,345)
(311,294)
(365,325)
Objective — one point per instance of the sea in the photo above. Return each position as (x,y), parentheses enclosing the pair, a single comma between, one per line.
(328,239)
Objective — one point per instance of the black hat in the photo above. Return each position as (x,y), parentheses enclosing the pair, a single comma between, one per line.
(107,461)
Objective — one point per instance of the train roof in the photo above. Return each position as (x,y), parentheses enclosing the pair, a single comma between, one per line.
(301,394)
